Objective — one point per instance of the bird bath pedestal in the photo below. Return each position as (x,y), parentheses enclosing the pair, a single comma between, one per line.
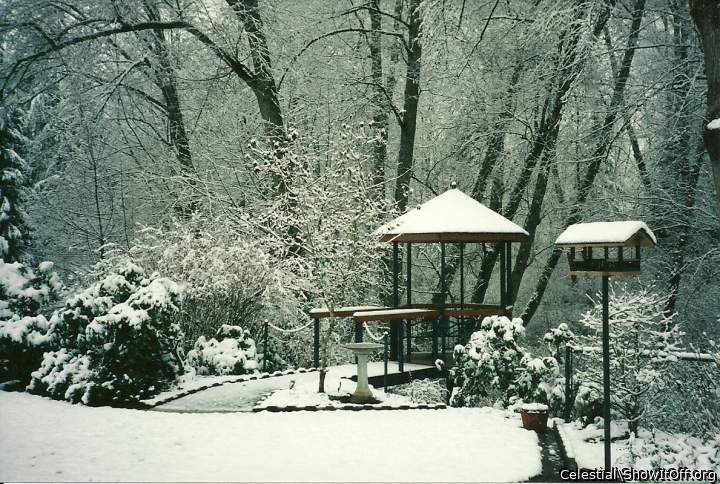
(362,351)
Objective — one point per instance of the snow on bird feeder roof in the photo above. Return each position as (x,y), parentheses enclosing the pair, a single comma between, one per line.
(611,234)
(451,217)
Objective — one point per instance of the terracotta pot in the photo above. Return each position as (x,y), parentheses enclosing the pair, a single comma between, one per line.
(535,420)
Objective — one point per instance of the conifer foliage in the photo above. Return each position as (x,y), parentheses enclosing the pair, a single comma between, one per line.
(14,232)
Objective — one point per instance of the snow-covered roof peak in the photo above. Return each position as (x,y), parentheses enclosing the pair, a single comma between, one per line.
(451,217)
(630,232)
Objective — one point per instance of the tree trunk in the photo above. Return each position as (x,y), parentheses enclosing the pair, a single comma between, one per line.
(166,81)
(599,154)
(380,101)
(684,166)
(410,106)
(706,14)
(263,84)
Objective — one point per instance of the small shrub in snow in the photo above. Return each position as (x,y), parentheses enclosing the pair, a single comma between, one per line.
(537,382)
(270,358)
(119,340)
(557,339)
(24,294)
(230,352)
(488,362)
(422,391)
(588,402)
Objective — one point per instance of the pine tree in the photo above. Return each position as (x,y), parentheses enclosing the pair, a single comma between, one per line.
(14,232)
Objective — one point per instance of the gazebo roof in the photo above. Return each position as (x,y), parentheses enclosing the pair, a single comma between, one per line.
(598,234)
(451,217)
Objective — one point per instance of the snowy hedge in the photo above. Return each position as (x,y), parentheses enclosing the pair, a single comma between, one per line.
(24,294)
(231,352)
(116,341)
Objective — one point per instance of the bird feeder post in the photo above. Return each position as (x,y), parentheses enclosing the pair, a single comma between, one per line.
(606,369)
(603,236)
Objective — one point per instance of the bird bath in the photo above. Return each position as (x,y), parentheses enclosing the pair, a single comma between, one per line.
(362,351)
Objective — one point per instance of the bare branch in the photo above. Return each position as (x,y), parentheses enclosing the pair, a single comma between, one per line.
(337,32)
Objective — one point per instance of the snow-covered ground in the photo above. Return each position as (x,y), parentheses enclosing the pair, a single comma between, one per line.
(304,392)
(234,397)
(649,450)
(189,384)
(585,445)
(46,440)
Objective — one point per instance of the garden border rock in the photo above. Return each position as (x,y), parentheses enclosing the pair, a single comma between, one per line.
(348,407)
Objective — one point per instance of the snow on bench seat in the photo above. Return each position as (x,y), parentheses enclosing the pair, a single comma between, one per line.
(343,312)
(393,314)
(478,311)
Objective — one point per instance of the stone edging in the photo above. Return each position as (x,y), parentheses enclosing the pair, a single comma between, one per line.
(352,408)
(239,379)
(558,434)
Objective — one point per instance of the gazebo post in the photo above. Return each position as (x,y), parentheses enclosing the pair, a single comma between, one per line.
(508,278)
(443,295)
(503,274)
(396,298)
(408,290)
(461,328)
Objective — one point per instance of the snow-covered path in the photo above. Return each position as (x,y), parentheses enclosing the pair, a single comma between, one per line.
(241,397)
(45,440)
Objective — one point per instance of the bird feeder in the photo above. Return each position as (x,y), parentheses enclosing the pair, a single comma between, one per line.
(606,249)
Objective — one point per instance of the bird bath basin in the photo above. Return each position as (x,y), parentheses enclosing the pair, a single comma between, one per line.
(362,351)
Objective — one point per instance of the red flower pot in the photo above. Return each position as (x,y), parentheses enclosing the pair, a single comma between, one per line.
(535,420)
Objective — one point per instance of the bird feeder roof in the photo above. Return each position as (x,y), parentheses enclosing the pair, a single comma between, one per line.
(607,234)
(451,217)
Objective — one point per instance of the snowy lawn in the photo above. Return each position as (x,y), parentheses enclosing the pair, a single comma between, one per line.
(649,451)
(42,439)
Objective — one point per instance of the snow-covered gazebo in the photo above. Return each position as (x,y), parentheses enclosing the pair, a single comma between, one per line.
(449,218)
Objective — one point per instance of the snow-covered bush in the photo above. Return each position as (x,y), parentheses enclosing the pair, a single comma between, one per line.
(65,375)
(119,340)
(537,382)
(588,402)
(657,449)
(493,365)
(270,358)
(557,339)
(25,295)
(422,391)
(642,339)
(228,275)
(231,352)
(489,362)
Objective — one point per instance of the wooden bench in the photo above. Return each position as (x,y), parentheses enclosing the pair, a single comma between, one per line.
(343,312)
